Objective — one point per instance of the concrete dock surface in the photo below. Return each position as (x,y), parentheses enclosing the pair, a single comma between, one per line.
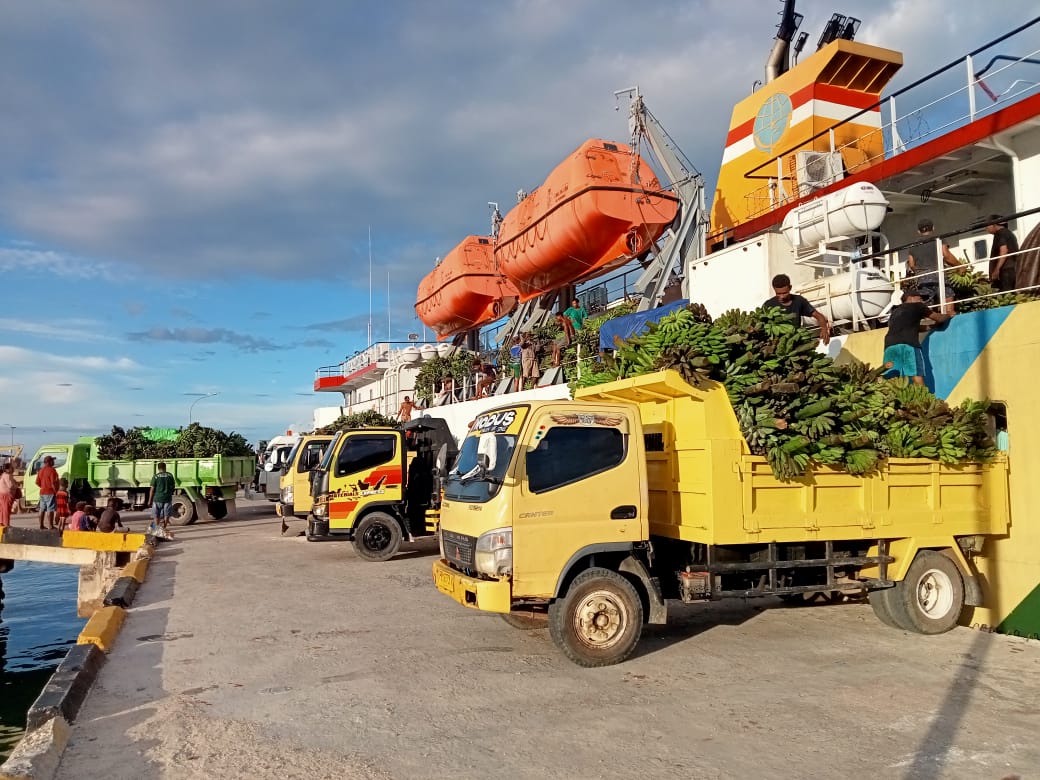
(251,655)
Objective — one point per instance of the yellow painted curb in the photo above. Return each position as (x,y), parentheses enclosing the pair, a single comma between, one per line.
(103,628)
(136,569)
(92,540)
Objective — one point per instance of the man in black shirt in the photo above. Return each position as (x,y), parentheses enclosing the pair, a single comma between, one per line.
(1002,254)
(797,306)
(903,356)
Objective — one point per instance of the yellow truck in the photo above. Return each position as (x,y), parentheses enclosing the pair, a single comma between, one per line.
(590,514)
(377,487)
(294,494)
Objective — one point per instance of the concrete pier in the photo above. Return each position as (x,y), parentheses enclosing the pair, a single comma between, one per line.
(255,656)
(100,557)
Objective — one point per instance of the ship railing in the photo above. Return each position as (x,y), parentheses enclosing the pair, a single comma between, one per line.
(892,261)
(387,352)
(968,92)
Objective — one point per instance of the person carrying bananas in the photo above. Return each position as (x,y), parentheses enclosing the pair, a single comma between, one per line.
(903,356)
(797,306)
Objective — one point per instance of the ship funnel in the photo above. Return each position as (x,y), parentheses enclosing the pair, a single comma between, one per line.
(779,60)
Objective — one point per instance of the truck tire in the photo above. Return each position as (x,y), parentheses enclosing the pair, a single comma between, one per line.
(525,622)
(599,620)
(888,607)
(932,593)
(377,537)
(182,511)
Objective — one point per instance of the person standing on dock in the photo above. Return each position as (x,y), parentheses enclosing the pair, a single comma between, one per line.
(6,494)
(1003,254)
(796,306)
(160,496)
(61,503)
(47,481)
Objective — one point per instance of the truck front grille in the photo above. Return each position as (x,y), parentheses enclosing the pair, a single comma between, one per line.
(459,549)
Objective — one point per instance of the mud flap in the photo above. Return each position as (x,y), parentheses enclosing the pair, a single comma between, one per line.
(657,613)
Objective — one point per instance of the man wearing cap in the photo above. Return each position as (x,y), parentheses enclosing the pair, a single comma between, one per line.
(923,262)
(47,481)
(903,356)
(1003,254)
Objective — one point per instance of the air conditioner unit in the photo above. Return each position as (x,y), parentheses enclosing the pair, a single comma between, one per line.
(816,170)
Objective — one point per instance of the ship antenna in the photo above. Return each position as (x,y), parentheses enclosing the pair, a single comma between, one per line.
(369,285)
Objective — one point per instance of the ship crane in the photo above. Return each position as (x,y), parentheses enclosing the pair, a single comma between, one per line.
(684,241)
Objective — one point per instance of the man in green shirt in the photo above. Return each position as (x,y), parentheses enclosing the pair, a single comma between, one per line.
(576,314)
(161,495)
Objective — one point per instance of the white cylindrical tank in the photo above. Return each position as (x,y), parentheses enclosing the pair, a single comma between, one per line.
(853,295)
(410,355)
(851,211)
(428,351)
(445,349)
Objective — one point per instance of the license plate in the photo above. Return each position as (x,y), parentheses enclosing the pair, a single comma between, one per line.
(445,582)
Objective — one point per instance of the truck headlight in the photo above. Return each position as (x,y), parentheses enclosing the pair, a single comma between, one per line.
(320,510)
(287,494)
(494,554)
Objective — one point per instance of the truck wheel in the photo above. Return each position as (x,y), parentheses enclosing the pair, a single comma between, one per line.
(377,537)
(599,620)
(933,593)
(525,622)
(888,607)
(182,511)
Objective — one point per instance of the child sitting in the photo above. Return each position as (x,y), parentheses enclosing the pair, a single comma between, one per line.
(110,517)
(80,520)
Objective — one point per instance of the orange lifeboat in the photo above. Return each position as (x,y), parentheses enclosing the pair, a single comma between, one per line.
(465,291)
(591,215)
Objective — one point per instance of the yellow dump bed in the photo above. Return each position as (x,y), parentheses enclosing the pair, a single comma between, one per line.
(705,486)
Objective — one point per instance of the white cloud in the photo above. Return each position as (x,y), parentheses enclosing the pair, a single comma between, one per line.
(18,356)
(22,257)
(78,330)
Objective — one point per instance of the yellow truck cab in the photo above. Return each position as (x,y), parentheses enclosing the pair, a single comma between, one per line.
(377,487)
(294,499)
(590,514)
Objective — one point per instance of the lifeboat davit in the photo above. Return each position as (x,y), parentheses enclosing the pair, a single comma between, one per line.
(596,211)
(465,291)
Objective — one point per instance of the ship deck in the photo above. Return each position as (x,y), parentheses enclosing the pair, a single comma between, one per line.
(252,655)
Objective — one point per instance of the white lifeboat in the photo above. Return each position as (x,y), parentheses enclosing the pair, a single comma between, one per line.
(851,211)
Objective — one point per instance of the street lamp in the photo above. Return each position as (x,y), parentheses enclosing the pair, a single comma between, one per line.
(200,397)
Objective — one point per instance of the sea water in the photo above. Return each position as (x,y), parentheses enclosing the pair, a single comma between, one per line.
(38,623)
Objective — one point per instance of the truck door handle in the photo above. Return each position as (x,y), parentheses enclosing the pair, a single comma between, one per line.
(623,512)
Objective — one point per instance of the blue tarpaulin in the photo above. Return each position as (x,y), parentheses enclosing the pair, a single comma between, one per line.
(633,324)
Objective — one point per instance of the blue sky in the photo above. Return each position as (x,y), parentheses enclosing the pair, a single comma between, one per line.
(187,187)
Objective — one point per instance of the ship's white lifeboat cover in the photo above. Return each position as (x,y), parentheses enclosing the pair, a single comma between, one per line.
(851,211)
(445,349)
(411,355)
(428,351)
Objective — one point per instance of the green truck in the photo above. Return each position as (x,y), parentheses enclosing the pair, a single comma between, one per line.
(206,487)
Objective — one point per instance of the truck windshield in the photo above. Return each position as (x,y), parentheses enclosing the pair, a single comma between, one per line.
(326,458)
(291,457)
(486,487)
(60,456)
